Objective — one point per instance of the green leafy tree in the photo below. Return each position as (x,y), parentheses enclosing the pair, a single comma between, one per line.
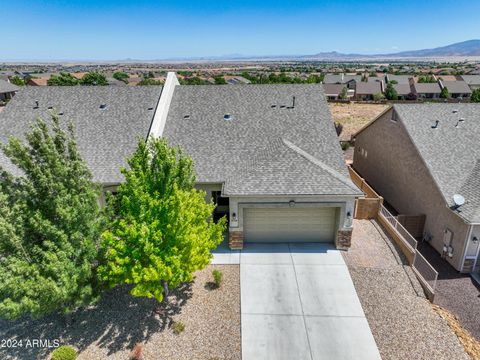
(16,80)
(378,97)
(162,232)
(427,79)
(219,80)
(121,76)
(50,222)
(63,79)
(475,96)
(444,93)
(343,95)
(94,78)
(149,81)
(390,92)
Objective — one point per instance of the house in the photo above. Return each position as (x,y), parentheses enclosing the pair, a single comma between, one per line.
(333,91)
(456,89)
(424,159)
(426,90)
(268,155)
(367,90)
(7,90)
(349,80)
(236,79)
(399,79)
(42,81)
(472,80)
(404,91)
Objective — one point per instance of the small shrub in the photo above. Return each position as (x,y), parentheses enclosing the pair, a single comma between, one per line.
(64,352)
(137,352)
(178,327)
(217,277)
(345,146)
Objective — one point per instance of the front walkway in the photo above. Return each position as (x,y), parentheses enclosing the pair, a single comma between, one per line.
(298,302)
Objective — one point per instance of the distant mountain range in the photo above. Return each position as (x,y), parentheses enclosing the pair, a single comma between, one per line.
(470,48)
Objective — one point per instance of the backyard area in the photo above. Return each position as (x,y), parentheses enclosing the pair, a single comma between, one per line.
(456,292)
(402,320)
(353,116)
(210,317)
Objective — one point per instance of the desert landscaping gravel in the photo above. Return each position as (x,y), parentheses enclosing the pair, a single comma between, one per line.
(111,329)
(402,320)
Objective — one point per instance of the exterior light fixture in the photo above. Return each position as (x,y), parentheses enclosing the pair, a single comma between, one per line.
(450,251)
(234,216)
(291,203)
(349,215)
(475,239)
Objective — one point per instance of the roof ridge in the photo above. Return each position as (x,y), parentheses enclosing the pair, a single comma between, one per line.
(321,164)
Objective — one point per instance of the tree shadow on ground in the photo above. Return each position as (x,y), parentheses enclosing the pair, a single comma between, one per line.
(117,322)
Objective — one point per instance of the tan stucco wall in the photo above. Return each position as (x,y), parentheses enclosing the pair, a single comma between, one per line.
(387,159)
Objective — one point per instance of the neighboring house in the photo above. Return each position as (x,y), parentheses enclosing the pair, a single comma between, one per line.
(349,80)
(367,90)
(404,91)
(418,156)
(399,79)
(376,79)
(473,81)
(456,89)
(426,90)
(235,79)
(268,155)
(7,90)
(333,91)
(43,81)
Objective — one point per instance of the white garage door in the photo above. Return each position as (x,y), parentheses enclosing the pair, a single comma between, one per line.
(289,224)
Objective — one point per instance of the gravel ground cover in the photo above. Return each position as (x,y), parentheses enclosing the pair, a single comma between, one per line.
(353,116)
(111,329)
(402,320)
(458,293)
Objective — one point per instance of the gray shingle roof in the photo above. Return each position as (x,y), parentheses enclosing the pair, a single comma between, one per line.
(250,153)
(105,137)
(6,87)
(402,89)
(457,87)
(368,88)
(333,89)
(340,78)
(400,79)
(427,88)
(451,153)
(471,79)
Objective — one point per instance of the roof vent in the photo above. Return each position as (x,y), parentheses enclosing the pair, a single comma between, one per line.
(60,113)
(436,124)
(273,106)
(282,106)
(186,117)
(50,107)
(150,108)
(454,111)
(227,117)
(36,104)
(103,106)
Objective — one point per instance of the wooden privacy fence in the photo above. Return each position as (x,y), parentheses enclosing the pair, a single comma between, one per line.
(371,207)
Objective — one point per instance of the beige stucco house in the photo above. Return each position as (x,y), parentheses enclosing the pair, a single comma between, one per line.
(419,157)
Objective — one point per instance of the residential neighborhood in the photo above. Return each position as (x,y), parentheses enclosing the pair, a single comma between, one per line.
(234,181)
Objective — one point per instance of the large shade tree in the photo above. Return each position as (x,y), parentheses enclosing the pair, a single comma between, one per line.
(162,231)
(49,224)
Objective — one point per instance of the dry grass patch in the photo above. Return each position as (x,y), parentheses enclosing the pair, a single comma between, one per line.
(354,116)
(471,345)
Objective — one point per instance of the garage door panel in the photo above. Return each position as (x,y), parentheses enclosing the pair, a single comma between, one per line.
(289,224)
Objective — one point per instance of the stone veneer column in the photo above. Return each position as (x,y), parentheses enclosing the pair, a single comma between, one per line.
(235,240)
(344,239)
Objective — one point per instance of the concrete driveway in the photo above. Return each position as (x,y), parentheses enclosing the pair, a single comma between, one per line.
(298,302)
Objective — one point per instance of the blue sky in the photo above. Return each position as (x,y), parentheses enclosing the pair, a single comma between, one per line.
(109,30)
